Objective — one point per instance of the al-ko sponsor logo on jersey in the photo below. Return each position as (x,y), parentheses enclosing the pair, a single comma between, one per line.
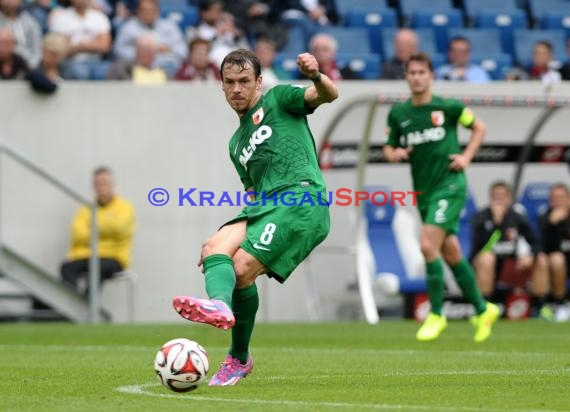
(259,136)
(432,134)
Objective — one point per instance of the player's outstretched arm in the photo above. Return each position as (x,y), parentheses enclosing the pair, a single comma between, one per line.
(323,89)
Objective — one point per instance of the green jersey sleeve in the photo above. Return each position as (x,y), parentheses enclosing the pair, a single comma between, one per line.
(292,99)
(392,130)
(461,114)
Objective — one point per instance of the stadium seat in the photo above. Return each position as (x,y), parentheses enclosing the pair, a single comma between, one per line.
(409,7)
(538,8)
(296,41)
(556,20)
(496,64)
(439,22)
(287,62)
(425,36)
(174,4)
(382,242)
(524,41)
(483,41)
(349,39)
(464,233)
(506,23)
(534,199)
(185,16)
(366,65)
(474,7)
(374,22)
(344,7)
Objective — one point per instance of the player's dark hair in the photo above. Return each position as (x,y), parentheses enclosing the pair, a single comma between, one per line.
(421,58)
(241,58)
(501,184)
(102,169)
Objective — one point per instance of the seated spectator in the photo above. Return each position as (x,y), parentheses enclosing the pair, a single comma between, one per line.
(89,34)
(116,223)
(541,67)
(459,67)
(12,65)
(497,233)
(198,66)
(143,70)
(46,76)
(40,9)
(405,44)
(255,19)
(323,46)
(308,14)
(171,46)
(26,29)
(264,49)
(554,261)
(218,27)
(565,69)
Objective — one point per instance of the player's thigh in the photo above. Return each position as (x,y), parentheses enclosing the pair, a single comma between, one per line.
(247,268)
(225,241)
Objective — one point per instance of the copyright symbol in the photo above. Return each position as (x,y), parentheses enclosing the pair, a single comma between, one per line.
(158,196)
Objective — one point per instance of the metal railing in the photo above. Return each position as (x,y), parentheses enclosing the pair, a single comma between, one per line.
(94,270)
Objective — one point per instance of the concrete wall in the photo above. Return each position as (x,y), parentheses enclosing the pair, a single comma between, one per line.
(176,137)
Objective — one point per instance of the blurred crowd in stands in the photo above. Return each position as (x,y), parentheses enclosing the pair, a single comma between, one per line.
(154,41)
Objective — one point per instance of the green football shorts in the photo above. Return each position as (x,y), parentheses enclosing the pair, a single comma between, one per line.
(281,237)
(442,207)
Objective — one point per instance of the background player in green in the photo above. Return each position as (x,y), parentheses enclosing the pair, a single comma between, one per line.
(274,152)
(423,130)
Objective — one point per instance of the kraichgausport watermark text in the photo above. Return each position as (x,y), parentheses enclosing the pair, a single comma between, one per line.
(339,197)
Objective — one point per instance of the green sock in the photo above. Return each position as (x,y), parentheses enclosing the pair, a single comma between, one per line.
(220,278)
(435,284)
(465,277)
(245,305)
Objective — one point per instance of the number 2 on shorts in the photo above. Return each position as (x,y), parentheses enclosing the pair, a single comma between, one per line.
(440,212)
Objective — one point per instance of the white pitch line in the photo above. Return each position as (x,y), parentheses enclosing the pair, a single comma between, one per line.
(332,351)
(142,390)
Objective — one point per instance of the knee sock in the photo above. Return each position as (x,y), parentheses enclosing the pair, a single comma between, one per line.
(465,277)
(220,278)
(245,305)
(435,284)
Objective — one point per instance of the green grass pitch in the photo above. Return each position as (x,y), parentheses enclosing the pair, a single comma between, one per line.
(525,366)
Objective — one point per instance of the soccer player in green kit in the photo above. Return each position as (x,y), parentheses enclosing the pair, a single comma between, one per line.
(274,154)
(423,130)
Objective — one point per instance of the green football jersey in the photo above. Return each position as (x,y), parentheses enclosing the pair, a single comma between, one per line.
(273,148)
(431,130)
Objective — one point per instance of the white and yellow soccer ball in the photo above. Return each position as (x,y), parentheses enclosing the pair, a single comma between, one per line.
(181,365)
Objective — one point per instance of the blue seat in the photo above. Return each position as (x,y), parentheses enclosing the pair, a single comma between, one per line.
(287,62)
(296,41)
(374,22)
(344,7)
(382,242)
(425,36)
(556,20)
(474,7)
(439,22)
(534,198)
(464,233)
(366,65)
(496,64)
(483,41)
(409,7)
(506,23)
(185,16)
(524,41)
(538,8)
(349,39)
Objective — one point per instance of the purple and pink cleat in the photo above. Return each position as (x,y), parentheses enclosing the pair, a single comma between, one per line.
(213,312)
(231,372)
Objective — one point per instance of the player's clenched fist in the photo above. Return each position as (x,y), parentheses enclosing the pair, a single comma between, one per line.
(308,65)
